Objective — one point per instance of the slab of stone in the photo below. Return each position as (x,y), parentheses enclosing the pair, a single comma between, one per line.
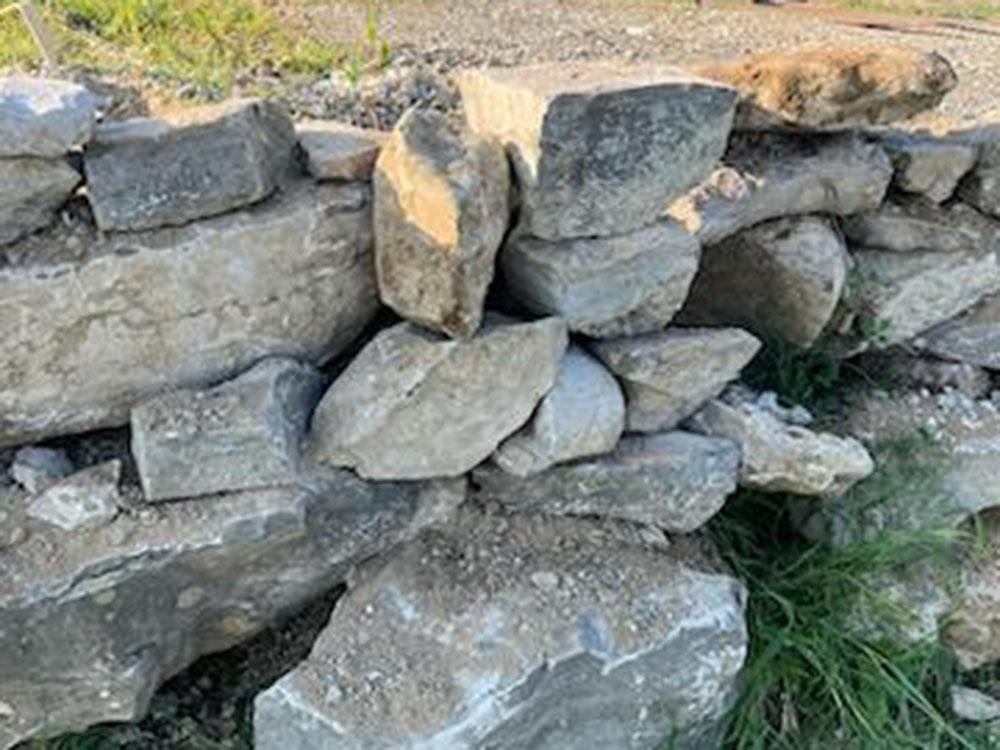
(906,226)
(599,148)
(782,279)
(771,176)
(832,85)
(31,192)
(240,435)
(36,468)
(583,415)
(928,165)
(668,376)
(83,500)
(44,118)
(144,175)
(673,480)
(88,338)
(338,151)
(973,337)
(441,211)
(604,286)
(416,405)
(512,633)
(970,704)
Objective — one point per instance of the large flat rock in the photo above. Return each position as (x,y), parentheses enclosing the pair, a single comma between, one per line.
(44,118)
(31,191)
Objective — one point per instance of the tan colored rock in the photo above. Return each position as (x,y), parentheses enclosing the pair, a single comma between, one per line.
(31,191)
(973,337)
(906,226)
(338,151)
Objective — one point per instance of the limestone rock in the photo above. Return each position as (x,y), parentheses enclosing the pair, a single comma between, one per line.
(607,286)
(415,405)
(240,435)
(599,148)
(44,118)
(83,500)
(337,151)
(782,279)
(441,211)
(770,176)
(668,376)
(833,85)
(85,340)
(928,165)
(973,337)
(906,226)
(91,622)
(514,633)
(970,704)
(31,191)
(143,174)
(583,415)
(38,468)
(673,480)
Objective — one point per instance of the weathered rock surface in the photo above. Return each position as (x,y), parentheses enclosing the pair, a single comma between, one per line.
(85,341)
(83,500)
(982,187)
(906,226)
(607,286)
(770,176)
(31,190)
(674,480)
(928,165)
(91,623)
(782,279)
(240,435)
(599,148)
(143,174)
(970,704)
(972,626)
(414,405)
(338,151)
(515,633)
(441,211)
(34,469)
(667,376)
(973,337)
(583,415)
(907,368)
(833,85)
(43,118)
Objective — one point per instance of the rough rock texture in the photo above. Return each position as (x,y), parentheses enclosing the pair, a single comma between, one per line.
(240,435)
(928,165)
(973,337)
(908,368)
(833,86)
(583,415)
(337,151)
(782,279)
(91,623)
(415,405)
(512,633)
(982,187)
(667,376)
(906,226)
(972,627)
(441,211)
(83,500)
(599,148)
(673,480)
(143,174)
(84,341)
(44,118)
(34,469)
(970,704)
(607,286)
(770,176)
(31,190)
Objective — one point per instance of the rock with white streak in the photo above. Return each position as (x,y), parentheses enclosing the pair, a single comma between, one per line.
(31,192)
(83,500)
(44,118)
(337,151)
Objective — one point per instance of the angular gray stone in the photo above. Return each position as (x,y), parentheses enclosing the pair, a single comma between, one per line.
(782,279)
(583,415)
(982,187)
(143,175)
(973,337)
(37,468)
(668,376)
(607,286)
(85,340)
(83,500)
(928,165)
(599,148)
(240,435)
(92,622)
(31,191)
(414,405)
(515,633)
(45,118)
(674,480)
(337,151)
(906,226)
(441,211)
(771,176)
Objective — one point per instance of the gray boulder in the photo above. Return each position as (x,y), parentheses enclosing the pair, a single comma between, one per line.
(973,337)
(982,187)
(31,191)
(45,118)
(83,500)
(337,151)
(906,226)
(34,468)
(512,633)
(631,138)
(928,165)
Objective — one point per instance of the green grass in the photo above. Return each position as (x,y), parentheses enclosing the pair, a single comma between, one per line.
(981,10)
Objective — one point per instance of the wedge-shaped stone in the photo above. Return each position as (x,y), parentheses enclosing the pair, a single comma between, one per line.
(31,190)
(86,340)
(905,226)
(583,415)
(928,165)
(240,435)
(599,148)
(46,118)
(833,85)
(514,633)
(606,286)
(773,176)
(415,405)
(668,376)
(86,499)
(674,480)
(973,337)
(143,174)
(782,279)
(91,622)
(441,211)
(337,151)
